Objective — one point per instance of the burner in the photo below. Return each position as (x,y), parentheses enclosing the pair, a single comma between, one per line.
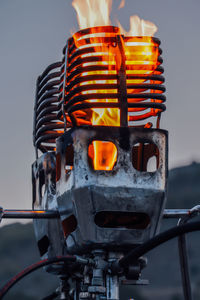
(97,121)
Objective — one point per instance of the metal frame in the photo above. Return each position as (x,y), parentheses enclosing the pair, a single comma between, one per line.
(83,193)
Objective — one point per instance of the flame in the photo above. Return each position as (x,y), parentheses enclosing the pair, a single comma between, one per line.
(139,27)
(107,155)
(92,13)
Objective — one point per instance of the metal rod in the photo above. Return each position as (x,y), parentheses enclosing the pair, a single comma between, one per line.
(52,214)
(29,214)
(122,84)
(185,275)
(175,213)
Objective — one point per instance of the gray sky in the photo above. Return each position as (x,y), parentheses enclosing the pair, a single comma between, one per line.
(32,35)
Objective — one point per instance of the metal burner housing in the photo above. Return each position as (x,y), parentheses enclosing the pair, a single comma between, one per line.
(99,209)
(110,209)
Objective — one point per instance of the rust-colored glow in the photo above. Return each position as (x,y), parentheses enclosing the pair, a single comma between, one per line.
(103,155)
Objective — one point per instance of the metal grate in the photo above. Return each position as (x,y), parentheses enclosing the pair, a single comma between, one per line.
(107,70)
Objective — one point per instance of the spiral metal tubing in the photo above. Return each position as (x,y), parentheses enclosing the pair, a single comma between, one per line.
(104,69)
(46,125)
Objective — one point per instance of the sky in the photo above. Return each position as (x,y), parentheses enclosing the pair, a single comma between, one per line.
(32,36)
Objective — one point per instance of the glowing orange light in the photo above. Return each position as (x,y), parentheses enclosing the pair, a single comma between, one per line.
(107,155)
(141,58)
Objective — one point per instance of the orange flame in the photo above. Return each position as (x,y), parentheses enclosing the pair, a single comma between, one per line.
(91,13)
(139,27)
(103,155)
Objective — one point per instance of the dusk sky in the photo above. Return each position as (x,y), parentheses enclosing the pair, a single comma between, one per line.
(32,35)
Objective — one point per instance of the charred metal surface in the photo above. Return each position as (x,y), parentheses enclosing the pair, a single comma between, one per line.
(83,192)
(48,232)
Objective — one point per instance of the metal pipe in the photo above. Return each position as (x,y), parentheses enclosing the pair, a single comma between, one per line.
(28,214)
(157,240)
(52,214)
(185,275)
(176,213)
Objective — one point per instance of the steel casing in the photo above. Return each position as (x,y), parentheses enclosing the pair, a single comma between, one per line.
(83,194)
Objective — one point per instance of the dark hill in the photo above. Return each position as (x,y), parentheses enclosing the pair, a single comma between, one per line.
(184,186)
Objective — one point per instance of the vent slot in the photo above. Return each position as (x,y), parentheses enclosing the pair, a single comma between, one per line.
(145,156)
(126,220)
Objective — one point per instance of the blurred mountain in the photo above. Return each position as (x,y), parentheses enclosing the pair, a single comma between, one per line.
(18,249)
(184,186)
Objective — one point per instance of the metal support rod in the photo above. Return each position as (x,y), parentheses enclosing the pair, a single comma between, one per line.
(183,258)
(28,214)
(52,214)
(122,83)
(175,213)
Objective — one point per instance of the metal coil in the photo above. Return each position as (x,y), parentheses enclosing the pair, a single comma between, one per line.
(47,126)
(104,69)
